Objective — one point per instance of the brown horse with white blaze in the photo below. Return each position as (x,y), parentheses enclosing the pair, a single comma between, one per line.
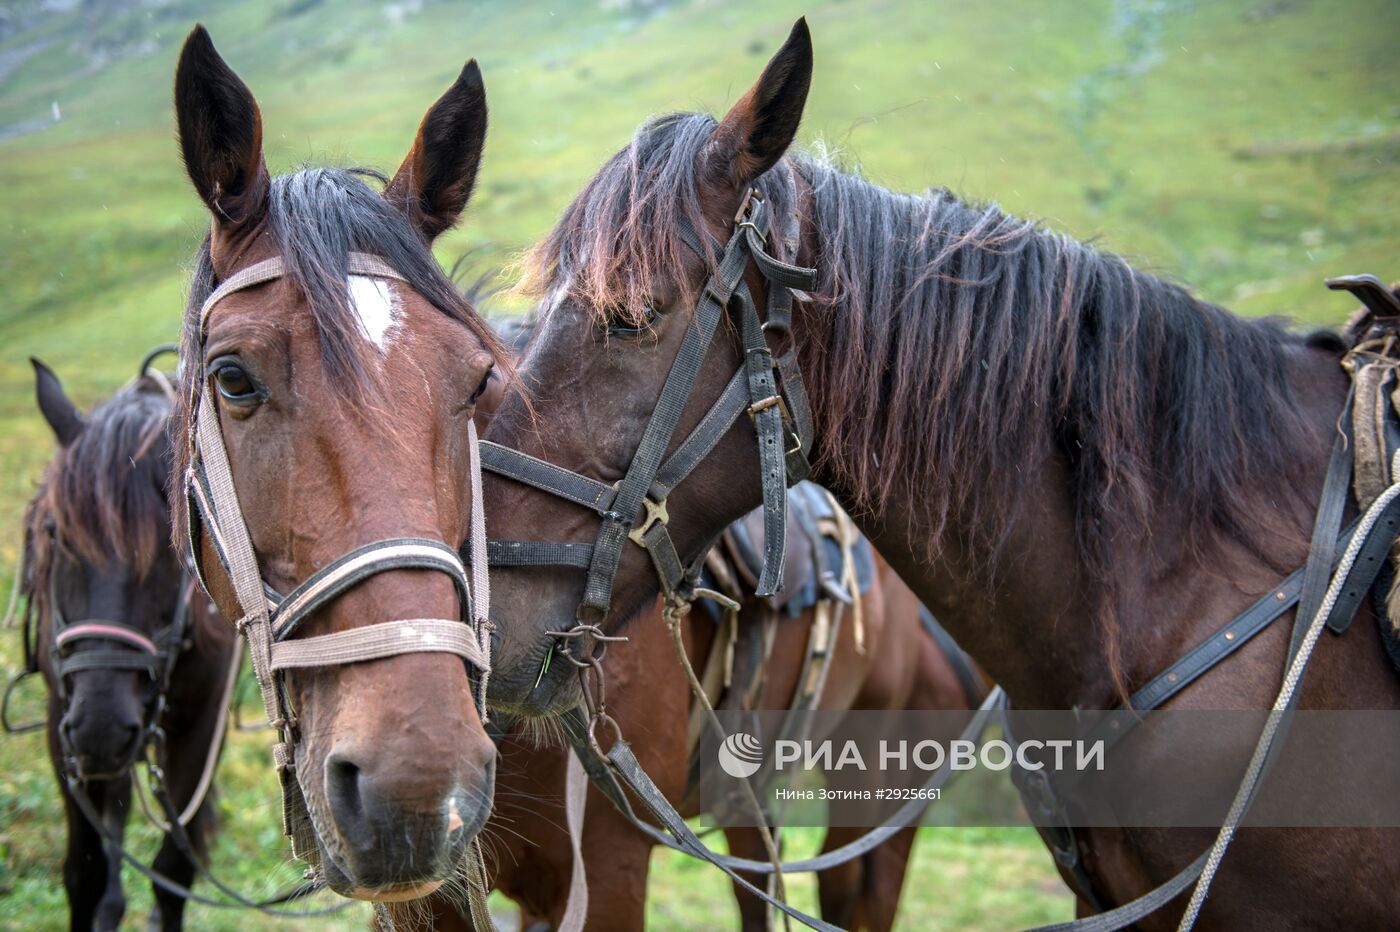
(1083,470)
(321,380)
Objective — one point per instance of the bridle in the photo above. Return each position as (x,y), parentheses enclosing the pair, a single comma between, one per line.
(270,620)
(125,648)
(635,508)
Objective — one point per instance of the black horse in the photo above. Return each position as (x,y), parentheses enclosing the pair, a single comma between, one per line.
(136,660)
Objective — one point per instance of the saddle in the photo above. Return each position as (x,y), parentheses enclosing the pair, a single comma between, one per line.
(1373,361)
(818,559)
(828,566)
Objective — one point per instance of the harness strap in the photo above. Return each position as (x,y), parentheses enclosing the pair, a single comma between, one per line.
(705,436)
(767,408)
(1365,552)
(545,476)
(1323,547)
(538,553)
(109,630)
(211,756)
(680,380)
(382,556)
(652,476)
(622,760)
(610,782)
(1360,559)
(112,843)
(575,800)
(1202,658)
(386,639)
(108,660)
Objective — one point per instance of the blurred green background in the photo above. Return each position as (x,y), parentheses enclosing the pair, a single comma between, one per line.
(1246,148)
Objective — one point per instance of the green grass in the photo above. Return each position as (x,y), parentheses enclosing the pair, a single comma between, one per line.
(1159,127)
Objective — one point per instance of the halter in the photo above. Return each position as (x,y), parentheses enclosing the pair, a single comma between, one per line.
(634,509)
(125,648)
(270,620)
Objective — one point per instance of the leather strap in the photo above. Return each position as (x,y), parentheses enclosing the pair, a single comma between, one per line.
(610,783)
(625,764)
(651,475)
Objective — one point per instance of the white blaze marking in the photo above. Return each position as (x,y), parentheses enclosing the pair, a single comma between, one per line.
(374,302)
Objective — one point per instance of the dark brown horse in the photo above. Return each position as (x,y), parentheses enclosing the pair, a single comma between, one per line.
(885,660)
(344,404)
(123,640)
(1081,468)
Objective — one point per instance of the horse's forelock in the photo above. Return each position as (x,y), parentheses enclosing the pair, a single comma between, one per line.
(104,491)
(618,244)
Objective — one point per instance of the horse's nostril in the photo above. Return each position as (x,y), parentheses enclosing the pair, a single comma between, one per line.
(344,789)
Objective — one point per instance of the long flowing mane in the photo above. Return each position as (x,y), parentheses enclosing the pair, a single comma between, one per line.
(317,217)
(954,343)
(103,494)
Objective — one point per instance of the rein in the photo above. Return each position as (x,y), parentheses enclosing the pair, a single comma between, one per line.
(270,620)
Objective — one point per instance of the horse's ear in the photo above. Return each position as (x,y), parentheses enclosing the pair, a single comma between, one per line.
(435,181)
(54,404)
(762,124)
(220,133)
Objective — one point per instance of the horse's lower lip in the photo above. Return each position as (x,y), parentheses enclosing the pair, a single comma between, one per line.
(396,893)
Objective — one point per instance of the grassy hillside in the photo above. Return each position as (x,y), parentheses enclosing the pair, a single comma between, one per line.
(1247,148)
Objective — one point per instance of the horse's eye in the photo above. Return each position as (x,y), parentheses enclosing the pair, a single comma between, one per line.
(626,324)
(234,382)
(485,381)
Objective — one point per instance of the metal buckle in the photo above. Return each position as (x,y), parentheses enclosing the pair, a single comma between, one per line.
(744,205)
(763,404)
(656,513)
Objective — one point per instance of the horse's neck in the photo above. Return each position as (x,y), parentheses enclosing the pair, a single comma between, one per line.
(1025,611)
(1021,612)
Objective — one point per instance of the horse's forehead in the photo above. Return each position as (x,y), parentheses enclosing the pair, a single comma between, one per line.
(378,309)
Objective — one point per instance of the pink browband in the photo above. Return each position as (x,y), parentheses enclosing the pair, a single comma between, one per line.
(95,629)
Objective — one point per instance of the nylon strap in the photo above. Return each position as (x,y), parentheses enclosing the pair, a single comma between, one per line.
(575,800)
(386,639)
(360,564)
